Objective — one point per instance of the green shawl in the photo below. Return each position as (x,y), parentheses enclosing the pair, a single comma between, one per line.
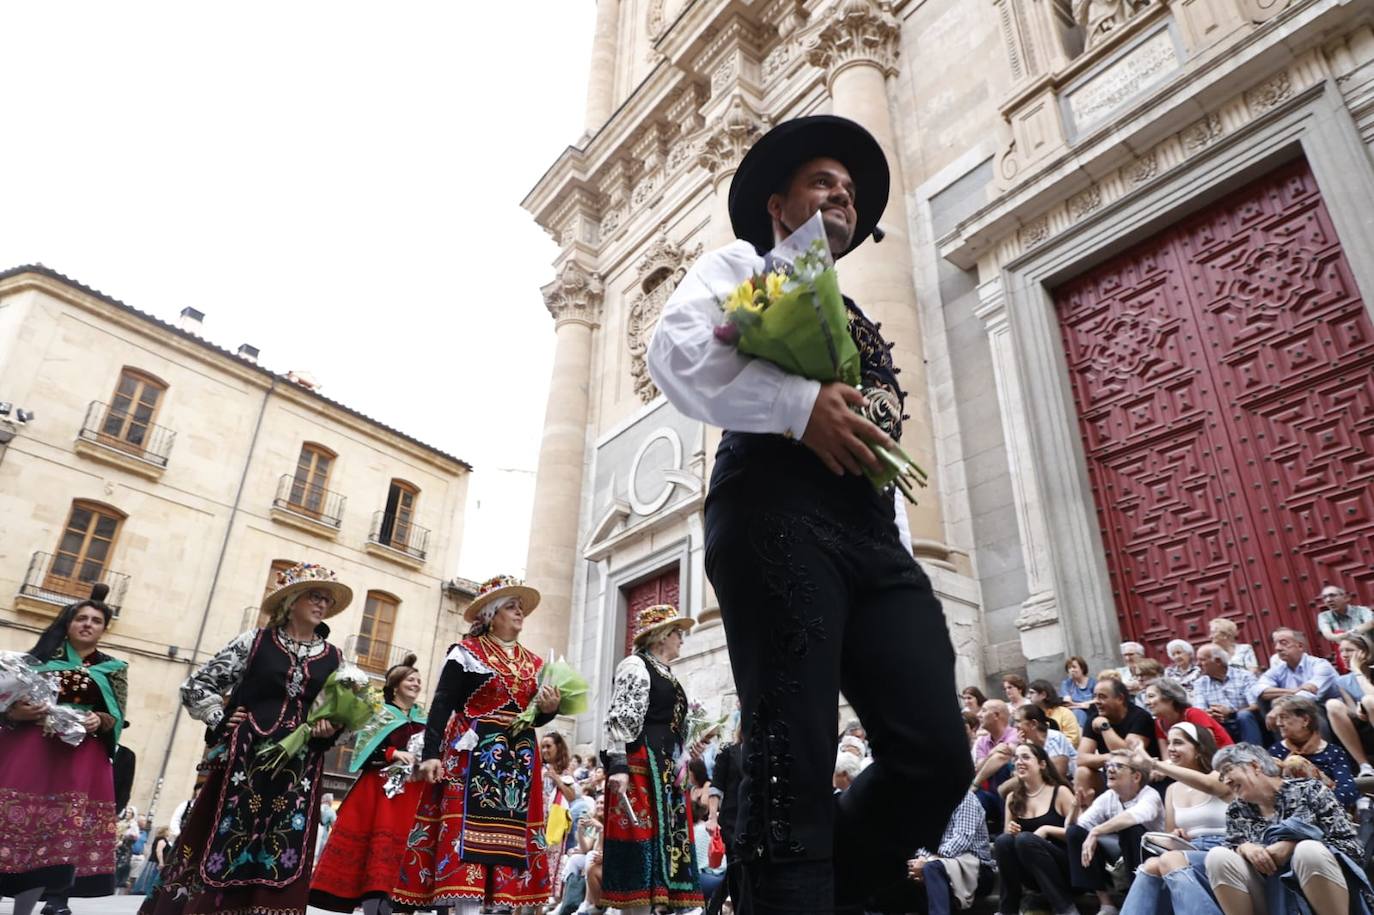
(110,678)
(379,728)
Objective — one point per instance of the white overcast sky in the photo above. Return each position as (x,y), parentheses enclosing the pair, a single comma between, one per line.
(336,183)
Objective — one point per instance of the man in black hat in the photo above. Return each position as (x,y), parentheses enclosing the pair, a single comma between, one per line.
(812,566)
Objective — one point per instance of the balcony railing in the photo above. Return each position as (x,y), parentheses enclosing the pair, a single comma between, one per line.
(312,501)
(60,580)
(124,432)
(374,655)
(399,534)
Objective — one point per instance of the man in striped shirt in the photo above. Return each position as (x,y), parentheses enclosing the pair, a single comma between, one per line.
(1224,692)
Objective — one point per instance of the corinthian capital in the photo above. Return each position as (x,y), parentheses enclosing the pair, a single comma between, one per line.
(575,296)
(856,32)
(724,141)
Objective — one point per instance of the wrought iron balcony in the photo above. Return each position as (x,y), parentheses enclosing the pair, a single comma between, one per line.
(61,579)
(399,534)
(125,432)
(374,655)
(313,502)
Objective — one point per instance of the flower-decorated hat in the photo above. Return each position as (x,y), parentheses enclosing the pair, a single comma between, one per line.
(498,589)
(302,577)
(655,619)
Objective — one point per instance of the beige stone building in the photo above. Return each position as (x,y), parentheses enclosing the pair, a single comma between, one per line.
(182,474)
(1127,272)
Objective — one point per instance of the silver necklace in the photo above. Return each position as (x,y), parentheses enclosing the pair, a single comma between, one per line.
(298,651)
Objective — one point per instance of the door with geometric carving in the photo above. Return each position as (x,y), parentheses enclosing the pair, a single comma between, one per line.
(661,589)
(1223,373)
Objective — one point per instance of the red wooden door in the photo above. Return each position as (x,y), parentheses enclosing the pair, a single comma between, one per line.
(1222,374)
(661,589)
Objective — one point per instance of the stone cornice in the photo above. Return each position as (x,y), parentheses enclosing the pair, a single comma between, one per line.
(575,296)
(856,33)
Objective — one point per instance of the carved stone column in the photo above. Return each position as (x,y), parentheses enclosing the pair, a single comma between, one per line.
(574,299)
(723,144)
(858,46)
(601,78)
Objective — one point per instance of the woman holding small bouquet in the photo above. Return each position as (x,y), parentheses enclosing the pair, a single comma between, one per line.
(478,836)
(650,858)
(50,788)
(367,844)
(248,842)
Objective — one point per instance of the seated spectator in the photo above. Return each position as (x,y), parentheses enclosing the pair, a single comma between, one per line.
(1341,616)
(1113,826)
(1077,688)
(1184,669)
(992,753)
(1224,692)
(1295,671)
(1224,632)
(1116,724)
(1043,694)
(1169,704)
(710,876)
(1299,725)
(1280,833)
(1014,688)
(1031,852)
(1034,728)
(971,728)
(847,768)
(1195,812)
(953,875)
(1132,653)
(855,745)
(1147,671)
(1349,712)
(973,699)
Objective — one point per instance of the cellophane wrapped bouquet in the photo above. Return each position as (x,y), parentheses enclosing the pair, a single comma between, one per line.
(395,775)
(793,315)
(571,685)
(348,699)
(700,728)
(21,681)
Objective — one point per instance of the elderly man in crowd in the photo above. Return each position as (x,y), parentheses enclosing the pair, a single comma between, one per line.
(1224,692)
(951,876)
(1342,616)
(1113,826)
(1295,671)
(992,753)
(1115,723)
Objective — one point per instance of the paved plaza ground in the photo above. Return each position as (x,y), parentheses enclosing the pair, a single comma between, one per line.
(114,905)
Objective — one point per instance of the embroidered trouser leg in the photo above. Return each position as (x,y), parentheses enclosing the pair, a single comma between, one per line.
(818,595)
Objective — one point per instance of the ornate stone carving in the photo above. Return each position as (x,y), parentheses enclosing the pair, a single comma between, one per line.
(1035,233)
(661,269)
(1082,204)
(1269,94)
(858,32)
(575,296)
(1202,134)
(724,141)
(1100,18)
(1142,169)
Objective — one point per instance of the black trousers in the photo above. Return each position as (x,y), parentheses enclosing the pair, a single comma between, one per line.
(818,595)
(1026,860)
(1124,844)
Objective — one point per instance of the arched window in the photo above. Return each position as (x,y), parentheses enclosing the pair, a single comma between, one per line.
(311,478)
(83,551)
(132,410)
(374,633)
(398,519)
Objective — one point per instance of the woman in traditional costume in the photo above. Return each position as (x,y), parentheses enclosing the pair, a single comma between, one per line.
(367,844)
(249,839)
(57,833)
(479,832)
(650,860)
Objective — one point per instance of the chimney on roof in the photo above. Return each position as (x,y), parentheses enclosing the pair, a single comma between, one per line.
(192,320)
(248,351)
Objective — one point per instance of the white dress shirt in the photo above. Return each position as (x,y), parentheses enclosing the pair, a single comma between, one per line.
(715,383)
(1146,809)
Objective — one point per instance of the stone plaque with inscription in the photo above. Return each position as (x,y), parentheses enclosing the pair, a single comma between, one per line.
(1102,92)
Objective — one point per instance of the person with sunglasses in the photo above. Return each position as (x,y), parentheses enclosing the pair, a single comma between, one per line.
(249,840)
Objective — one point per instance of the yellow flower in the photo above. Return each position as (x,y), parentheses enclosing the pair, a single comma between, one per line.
(741,297)
(773,285)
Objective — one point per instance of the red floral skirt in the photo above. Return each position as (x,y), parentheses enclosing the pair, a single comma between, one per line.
(366,847)
(57,814)
(652,860)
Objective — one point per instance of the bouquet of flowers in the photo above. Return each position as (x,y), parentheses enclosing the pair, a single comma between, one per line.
(21,681)
(700,727)
(571,685)
(793,315)
(348,699)
(395,775)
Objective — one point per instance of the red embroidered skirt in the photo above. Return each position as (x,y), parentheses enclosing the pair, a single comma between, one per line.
(367,845)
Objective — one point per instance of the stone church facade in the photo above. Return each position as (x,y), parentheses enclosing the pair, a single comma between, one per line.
(1126,270)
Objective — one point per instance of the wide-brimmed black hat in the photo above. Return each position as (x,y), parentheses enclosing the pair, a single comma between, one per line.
(771,161)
